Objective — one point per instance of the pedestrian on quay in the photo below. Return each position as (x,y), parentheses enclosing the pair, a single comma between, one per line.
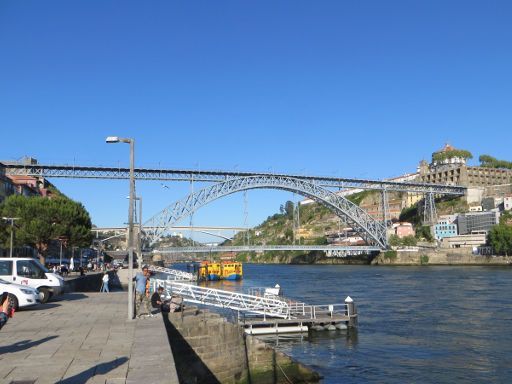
(142,292)
(104,283)
(158,301)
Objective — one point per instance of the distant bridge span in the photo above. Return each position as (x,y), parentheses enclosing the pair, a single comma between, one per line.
(329,249)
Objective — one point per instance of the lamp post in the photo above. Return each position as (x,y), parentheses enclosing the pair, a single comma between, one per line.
(11,219)
(115,139)
(139,242)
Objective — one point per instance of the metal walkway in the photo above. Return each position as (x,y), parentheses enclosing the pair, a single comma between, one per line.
(330,249)
(174,274)
(268,308)
(240,302)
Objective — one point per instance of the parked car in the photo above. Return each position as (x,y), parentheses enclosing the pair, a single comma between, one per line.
(30,272)
(21,296)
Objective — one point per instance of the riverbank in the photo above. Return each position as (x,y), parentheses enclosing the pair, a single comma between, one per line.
(439,257)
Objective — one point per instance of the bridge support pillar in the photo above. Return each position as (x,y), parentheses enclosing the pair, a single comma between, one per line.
(429,209)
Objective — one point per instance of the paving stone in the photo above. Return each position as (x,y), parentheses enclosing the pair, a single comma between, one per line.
(85,341)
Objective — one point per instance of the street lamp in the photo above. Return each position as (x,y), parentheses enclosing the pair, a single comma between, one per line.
(112,140)
(139,242)
(11,219)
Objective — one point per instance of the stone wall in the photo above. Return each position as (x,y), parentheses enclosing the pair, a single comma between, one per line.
(209,349)
(439,257)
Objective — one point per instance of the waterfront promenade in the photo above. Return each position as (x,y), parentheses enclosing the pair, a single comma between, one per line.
(85,338)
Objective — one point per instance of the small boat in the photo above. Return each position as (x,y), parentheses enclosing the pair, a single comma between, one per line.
(230,270)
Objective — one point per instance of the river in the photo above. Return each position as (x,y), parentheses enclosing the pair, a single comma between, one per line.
(416,324)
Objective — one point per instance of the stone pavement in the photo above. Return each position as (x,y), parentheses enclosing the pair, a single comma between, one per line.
(85,338)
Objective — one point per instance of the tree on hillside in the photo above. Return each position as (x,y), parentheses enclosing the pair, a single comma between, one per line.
(500,238)
(288,208)
(491,162)
(43,220)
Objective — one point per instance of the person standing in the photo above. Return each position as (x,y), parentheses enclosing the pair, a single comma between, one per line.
(141,300)
(104,284)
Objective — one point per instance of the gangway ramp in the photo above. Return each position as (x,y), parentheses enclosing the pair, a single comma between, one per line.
(174,274)
(264,313)
(241,302)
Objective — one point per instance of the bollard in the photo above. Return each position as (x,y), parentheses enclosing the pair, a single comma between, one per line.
(351,312)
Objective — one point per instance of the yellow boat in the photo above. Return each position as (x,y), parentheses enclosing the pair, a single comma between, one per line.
(225,270)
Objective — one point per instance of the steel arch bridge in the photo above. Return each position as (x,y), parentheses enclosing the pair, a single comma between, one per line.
(371,230)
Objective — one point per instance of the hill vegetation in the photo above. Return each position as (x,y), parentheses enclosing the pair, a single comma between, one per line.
(491,162)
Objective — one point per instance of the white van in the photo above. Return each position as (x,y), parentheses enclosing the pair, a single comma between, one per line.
(30,272)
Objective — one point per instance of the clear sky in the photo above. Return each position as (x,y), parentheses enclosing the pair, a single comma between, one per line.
(348,88)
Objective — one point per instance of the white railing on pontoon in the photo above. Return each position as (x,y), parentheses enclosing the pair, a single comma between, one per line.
(174,274)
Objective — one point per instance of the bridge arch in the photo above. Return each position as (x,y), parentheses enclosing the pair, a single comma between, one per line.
(371,230)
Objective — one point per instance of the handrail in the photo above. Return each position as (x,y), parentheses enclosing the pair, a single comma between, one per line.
(176,274)
(241,302)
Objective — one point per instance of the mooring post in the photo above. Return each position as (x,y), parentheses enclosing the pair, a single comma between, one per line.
(351,312)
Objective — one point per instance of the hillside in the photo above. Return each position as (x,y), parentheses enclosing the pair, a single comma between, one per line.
(317,223)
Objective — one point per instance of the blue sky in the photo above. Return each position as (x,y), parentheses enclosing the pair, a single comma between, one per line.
(355,89)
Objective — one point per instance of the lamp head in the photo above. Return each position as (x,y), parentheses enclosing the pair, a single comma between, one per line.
(112,139)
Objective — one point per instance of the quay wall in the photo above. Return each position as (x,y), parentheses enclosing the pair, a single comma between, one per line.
(87,283)
(438,257)
(209,349)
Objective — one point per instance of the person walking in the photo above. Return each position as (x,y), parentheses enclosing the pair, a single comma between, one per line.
(104,284)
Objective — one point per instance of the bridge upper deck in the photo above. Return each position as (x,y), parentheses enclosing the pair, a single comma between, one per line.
(73,171)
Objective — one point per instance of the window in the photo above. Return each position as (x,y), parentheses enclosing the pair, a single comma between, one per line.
(5,268)
(30,269)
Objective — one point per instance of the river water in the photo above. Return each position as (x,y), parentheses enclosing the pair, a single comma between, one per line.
(416,324)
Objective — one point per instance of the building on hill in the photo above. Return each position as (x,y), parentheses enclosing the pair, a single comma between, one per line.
(446,227)
(507,203)
(6,185)
(464,241)
(22,184)
(477,222)
(403,229)
(453,170)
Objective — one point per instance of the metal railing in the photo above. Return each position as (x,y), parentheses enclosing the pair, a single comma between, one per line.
(174,274)
(251,304)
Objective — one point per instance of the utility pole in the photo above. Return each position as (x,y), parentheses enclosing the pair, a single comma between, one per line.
(11,219)
(115,139)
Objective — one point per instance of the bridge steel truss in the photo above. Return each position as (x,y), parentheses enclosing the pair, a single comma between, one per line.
(329,249)
(371,230)
(72,171)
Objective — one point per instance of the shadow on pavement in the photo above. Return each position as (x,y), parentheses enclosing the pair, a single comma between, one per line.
(40,307)
(24,344)
(69,297)
(99,369)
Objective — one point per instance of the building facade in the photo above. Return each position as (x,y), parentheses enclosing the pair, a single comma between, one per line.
(477,222)
(446,227)
(454,171)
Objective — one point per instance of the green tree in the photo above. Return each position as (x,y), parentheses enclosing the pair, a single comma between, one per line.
(288,208)
(394,240)
(43,220)
(500,238)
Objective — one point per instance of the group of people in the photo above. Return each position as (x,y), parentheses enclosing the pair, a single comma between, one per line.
(157,300)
